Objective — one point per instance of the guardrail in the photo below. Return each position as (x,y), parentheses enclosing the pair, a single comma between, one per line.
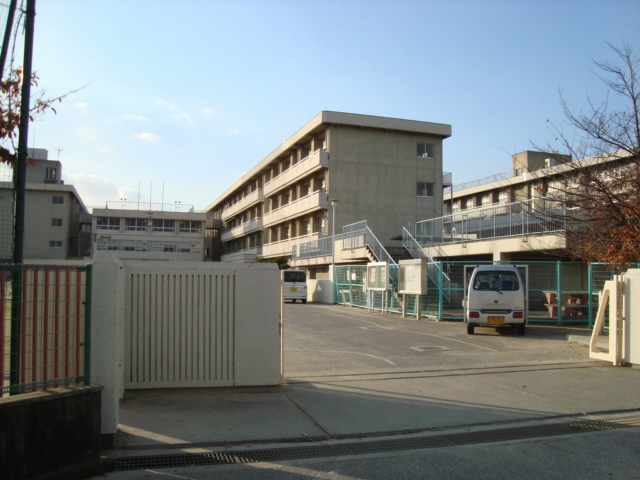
(535,216)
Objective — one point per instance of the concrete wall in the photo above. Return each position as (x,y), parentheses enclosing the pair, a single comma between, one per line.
(320,291)
(374,178)
(53,434)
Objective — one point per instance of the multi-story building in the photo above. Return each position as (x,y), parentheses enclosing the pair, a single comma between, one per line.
(150,231)
(57,223)
(510,216)
(386,171)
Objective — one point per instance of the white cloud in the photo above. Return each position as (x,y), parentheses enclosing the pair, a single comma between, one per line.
(234,130)
(147,137)
(96,191)
(207,112)
(104,149)
(80,105)
(183,116)
(164,103)
(93,189)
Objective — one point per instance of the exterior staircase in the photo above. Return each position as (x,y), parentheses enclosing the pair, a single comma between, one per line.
(399,253)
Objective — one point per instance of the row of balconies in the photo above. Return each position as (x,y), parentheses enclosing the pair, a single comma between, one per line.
(302,206)
(244,229)
(285,247)
(254,197)
(315,161)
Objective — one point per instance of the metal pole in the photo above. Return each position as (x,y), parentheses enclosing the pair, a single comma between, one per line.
(333,249)
(20,176)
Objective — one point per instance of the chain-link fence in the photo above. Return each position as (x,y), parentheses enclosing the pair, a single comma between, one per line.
(558,292)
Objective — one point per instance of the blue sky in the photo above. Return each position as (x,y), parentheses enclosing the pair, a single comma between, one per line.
(183,97)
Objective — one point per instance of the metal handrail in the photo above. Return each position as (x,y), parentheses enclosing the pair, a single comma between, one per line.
(360,235)
(534,216)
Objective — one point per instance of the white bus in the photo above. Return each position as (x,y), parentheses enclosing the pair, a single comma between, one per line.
(294,285)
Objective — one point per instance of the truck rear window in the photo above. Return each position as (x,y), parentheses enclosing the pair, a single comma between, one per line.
(295,277)
(496,280)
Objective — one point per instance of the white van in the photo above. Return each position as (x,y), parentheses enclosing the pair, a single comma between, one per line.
(294,285)
(496,297)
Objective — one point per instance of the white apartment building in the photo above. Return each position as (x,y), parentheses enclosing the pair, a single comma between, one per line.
(386,171)
(57,223)
(149,231)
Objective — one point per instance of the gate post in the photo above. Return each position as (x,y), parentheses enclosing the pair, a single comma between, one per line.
(107,336)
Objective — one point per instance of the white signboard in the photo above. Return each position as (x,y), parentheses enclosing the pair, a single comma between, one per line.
(377,276)
(412,277)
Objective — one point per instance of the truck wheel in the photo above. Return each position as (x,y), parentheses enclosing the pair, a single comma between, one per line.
(470,329)
(304,300)
(521,330)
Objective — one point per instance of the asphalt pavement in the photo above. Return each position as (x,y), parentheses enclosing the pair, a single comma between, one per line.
(572,418)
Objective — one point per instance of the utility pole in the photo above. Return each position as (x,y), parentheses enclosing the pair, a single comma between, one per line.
(19,185)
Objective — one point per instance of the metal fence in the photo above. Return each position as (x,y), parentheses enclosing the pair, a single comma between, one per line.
(45,314)
(558,292)
(539,215)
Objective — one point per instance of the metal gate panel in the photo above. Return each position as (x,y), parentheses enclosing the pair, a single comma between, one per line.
(179,329)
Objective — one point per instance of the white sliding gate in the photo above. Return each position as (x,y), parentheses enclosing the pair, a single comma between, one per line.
(187,327)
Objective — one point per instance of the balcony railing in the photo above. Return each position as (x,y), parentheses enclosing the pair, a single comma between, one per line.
(254,197)
(285,247)
(241,230)
(241,255)
(535,216)
(315,201)
(309,164)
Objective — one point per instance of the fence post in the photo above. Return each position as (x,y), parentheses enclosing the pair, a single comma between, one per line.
(16,328)
(87,326)
(440,290)
(559,292)
(590,298)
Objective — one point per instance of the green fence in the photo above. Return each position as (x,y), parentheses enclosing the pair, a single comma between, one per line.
(45,315)
(558,292)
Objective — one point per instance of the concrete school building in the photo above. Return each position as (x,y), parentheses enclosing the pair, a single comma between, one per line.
(336,170)
(58,224)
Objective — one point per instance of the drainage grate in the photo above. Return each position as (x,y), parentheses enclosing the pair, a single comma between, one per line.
(374,446)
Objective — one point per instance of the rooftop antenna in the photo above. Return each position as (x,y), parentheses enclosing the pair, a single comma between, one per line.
(59,149)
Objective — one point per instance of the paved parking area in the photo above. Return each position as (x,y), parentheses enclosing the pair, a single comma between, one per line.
(322,340)
(377,396)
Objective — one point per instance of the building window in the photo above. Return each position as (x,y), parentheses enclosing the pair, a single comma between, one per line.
(425,189)
(469,203)
(58,200)
(503,196)
(108,223)
(486,200)
(190,226)
(166,226)
(425,150)
(136,224)
(520,171)
(51,174)
(55,243)
(56,222)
